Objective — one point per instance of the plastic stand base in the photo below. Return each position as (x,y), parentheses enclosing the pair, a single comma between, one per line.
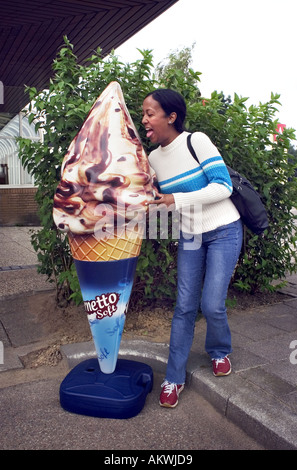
(121,395)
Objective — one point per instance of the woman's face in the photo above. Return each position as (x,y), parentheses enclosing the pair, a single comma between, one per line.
(159,126)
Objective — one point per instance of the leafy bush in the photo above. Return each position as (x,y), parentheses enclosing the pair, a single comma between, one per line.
(242,135)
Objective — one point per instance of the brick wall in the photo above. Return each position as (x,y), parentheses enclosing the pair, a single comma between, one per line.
(18,206)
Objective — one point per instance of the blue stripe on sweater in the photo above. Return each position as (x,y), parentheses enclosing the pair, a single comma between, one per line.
(182,175)
(181,187)
(211,160)
(211,170)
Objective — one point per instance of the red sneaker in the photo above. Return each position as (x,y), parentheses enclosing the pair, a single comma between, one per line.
(169,394)
(221,366)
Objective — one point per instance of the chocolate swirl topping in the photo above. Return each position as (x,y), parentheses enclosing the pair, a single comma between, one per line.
(105,168)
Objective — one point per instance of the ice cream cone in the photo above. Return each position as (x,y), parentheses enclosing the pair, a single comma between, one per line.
(104,187)
(90,248)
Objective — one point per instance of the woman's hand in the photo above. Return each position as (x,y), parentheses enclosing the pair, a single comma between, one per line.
(166,199)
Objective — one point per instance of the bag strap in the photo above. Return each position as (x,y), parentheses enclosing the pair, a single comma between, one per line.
(190,147)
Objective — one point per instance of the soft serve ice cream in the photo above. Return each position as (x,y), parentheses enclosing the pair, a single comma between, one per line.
(100,203)
(105,164)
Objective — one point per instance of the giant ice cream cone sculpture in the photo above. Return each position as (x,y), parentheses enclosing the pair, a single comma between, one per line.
(100,203)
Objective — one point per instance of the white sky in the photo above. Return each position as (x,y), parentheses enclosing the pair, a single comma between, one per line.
(247,47)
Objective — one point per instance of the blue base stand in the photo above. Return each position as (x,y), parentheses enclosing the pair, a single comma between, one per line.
(121,395)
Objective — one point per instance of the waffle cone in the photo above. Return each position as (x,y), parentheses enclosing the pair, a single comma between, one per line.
(89,248)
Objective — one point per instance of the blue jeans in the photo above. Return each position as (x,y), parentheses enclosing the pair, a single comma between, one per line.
(210,265)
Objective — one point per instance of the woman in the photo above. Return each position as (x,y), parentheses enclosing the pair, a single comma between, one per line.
(210,241)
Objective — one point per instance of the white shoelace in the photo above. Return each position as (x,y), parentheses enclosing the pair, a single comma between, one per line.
(169,387)
(221,360)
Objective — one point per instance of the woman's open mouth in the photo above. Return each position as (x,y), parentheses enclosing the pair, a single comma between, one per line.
(149,132)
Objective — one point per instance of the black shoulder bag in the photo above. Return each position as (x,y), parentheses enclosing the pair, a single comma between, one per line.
(245,198)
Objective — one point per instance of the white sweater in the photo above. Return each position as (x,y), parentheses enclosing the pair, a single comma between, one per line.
(201,192)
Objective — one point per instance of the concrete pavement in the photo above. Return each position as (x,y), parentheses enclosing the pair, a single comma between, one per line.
(260,396)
